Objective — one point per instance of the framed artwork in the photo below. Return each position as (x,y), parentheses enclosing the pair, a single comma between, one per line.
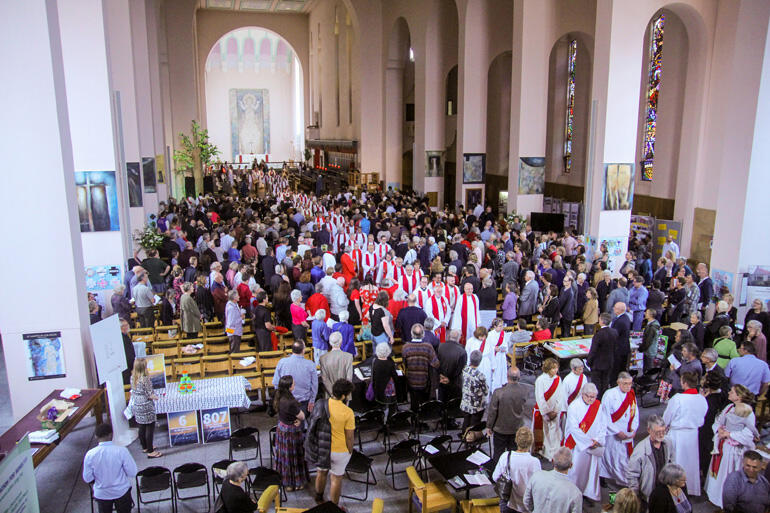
(531,175)
(97,200)
(148,172)
(434,163)
(618,187)
(249,121)
(474,167)
(432,199)
(473,197)
(134,179)
(45,355)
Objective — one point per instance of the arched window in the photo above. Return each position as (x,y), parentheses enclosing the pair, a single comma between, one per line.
(652,93)
(569,123)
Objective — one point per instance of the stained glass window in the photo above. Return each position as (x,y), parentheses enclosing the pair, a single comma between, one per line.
(569,123)
(653,92)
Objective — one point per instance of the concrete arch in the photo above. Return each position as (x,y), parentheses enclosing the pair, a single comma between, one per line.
(395,95)
(498,125)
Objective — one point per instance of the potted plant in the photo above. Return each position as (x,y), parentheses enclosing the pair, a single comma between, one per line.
(196,152)
(148,238)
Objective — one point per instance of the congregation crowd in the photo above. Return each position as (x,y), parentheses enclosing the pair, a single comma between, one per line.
(464,294)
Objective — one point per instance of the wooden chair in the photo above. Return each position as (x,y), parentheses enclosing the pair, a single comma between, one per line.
(268,361)
(377,505)
(285,340)
(216,366)
(171,332)
(142,335)
(168,348)
(192,366)
(212,329)
(491,505)
(429,496)
(127,392)
(250,372)
(191,342)
(216,345)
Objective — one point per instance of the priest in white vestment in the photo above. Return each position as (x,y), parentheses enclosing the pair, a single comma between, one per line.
(574,381)
(585,435)
(683,416)
(622,414)
(423,293)
(466,313)
(369,261)
(439,310)
(549,402)
(499,340)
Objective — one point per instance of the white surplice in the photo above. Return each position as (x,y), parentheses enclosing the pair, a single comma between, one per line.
(617,452)
(472,315)
(423,296)
(485,367)
(572,384)
(684,415)
(585,461)
(551,428)
(437,308)
(730,458)
(369,263)
(498,360)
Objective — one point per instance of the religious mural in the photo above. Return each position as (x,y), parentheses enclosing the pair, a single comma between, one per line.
(97,200)
(249,121)
(531,175)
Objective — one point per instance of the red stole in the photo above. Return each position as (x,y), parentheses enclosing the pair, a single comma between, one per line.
(500,340)
(586,423)
(405,282)
(441,329)
(537,418)
(420,293)
(716,459)
(464,317)
(628,402)
(575,392)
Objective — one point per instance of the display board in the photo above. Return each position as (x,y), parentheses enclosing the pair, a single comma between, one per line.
(663,229)
(17,480)
(216,424)
(156,370)
(108,347)
(183,428)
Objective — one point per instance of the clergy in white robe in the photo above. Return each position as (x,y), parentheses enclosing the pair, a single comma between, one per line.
(549,402)
(466,313)
(438,309)
(423,293)
(451,290)
(328,259)
(408,282)
(574,381)
(585,435)
(733,435)
(478,342)
(683,416)
(622,414)
(369,261)
(500,341)
(386,268)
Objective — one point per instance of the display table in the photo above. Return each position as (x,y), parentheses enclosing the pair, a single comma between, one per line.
(564,349)
(90,399)
(208,394)
(451,465)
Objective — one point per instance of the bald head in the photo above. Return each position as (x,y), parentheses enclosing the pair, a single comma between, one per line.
(514,375)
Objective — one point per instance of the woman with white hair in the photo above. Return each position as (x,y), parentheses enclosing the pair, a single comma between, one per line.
(669,495)
(120,303)
(475,392)
(299,324)
(758,312)
(233,497)
(384,377)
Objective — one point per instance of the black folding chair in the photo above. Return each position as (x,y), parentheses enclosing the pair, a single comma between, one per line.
(271,440)
(192,475)
(371,421)
(399,422)
(260,478)
(452,411)
(405,451)
(360,464)
(216,480)
(152,480)
(429,411)
(244,440)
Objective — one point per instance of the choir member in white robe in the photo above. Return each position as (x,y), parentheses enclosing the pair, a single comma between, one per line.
(500,341)
(683,416)
(734,434)
(478,342)
(451,290)
(369,261)
(585,436)
(423,293)
(466,313)
(438,309)
(357,256)
(382,248)
(408,282)
(359,238)
(574,381)
(549,402)
(622,414)
(386,268)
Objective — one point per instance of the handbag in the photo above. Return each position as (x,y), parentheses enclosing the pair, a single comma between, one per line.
(504,485)
(370,391)
(129,411)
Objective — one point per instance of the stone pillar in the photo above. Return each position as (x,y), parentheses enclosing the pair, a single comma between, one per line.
(38,202)
(394,122)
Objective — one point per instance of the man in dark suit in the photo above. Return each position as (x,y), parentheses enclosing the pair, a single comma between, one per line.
(408,317)
(600,358)
(566,308)
(452,359)
(621,324)
(469,276)
(709,358)
(322,237)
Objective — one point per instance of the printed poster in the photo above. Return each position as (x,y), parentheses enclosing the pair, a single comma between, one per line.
(722,279)
(17,480)
(215,424)
(183,428)
(156,370)
(758,285)
(102,277)
(616,253)
(45,355)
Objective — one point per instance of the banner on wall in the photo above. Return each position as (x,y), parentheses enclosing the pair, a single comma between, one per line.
(615,253)
(664,229)
(45,355)
(216,424)
(183,428)
(618,187)
(642,226)
(102,277)
(17,480)
(161,168)
(758,285)
(97,201)
(148,173)
(134,179)
(156,370)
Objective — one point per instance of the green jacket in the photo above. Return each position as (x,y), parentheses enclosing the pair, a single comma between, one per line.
(727,351)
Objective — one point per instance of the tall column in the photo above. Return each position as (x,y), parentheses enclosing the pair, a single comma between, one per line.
(533,22)
(38,204)
(615,97)
(740,235)
(394,122)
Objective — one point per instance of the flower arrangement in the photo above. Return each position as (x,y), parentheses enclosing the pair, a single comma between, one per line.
(509,219)
(148,238)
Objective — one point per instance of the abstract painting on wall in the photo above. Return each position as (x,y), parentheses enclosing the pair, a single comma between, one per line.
(531,175)
(618,186)
(474,167)
(148,172)
(434,165)
(97,200)
(134,179)
(249,121)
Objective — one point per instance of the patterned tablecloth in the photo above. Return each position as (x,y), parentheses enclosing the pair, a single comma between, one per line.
(209,393)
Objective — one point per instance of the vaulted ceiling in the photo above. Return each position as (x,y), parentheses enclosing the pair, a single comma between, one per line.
(271,6)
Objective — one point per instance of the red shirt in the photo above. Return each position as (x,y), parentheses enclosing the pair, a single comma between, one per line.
(244,295)
(541,335)
(315,302)
(395,306)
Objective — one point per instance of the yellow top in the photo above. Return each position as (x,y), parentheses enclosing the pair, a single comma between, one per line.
(341,418)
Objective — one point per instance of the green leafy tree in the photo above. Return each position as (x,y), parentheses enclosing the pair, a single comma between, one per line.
(196,153)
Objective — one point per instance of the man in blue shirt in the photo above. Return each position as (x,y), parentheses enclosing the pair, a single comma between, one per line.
(365,224)
(748,370)
(110,468)
(347,331)
(304,373)
(637,302)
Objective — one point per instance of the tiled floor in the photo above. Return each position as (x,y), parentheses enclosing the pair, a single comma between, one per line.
(61,489)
